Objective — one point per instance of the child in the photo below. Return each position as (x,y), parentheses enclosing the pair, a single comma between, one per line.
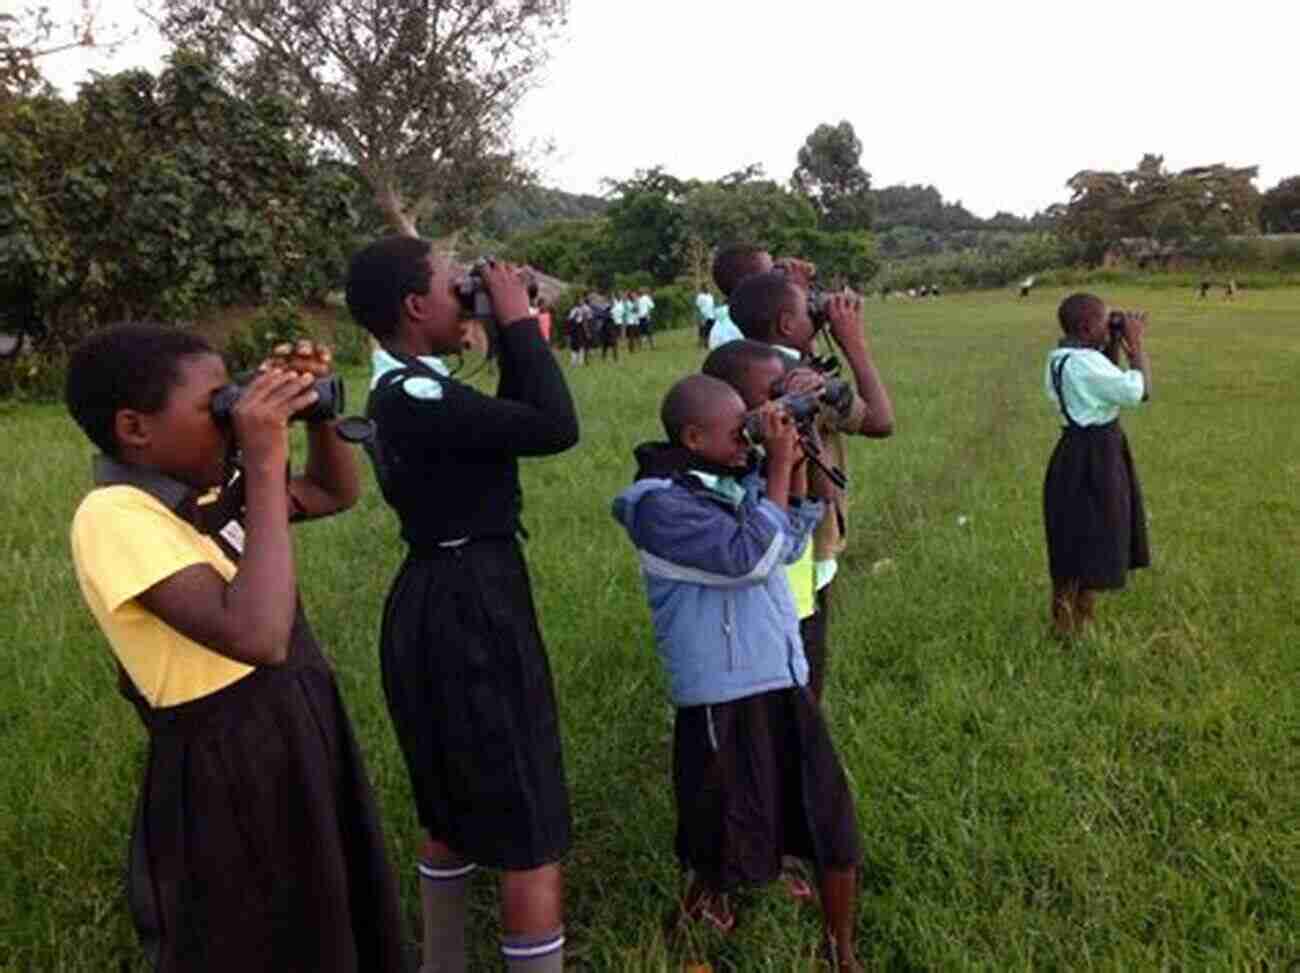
(732,265)
(773,308)
(1092,503)
(608,328)
(578,320)
(755,774)
(645,305)
(759,373)
(704,309)
(256,844)
(466,676)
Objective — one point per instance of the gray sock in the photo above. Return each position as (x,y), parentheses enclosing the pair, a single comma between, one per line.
(534,954)
(443,893)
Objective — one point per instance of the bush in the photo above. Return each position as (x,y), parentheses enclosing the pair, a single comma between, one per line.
(674,307)
(122,206)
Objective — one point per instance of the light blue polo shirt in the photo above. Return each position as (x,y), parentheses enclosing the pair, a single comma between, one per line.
(704,305)
(1094,386)
(724,330)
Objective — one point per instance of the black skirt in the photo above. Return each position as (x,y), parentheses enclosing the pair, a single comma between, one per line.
(469,690)
(1092,508)
(256,845)
(755,779)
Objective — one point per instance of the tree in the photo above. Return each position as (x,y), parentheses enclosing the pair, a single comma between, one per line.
(33,33)
(721,213)
(1279,210)
(831,176)
(420,94)
(157,198)
(1149,202)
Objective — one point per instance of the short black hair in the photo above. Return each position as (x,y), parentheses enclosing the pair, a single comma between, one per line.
(734,263)
(379,278)
(728,362)
(758,302)
(127,366)
(1077,310)
(690,400)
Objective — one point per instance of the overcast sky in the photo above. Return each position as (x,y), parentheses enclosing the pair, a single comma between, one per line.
(995,103)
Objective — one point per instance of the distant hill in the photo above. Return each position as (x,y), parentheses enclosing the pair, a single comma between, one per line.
(527,208)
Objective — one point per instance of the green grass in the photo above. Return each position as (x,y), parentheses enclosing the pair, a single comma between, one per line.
(1130,802)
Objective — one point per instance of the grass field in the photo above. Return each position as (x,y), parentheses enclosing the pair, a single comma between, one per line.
(1130,802)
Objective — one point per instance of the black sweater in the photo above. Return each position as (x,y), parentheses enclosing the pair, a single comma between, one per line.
(453,460)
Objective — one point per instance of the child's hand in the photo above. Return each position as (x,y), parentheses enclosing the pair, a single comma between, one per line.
(260,418)
(1135,327)
(508,292)
(802,379)
(780,438)
(303,355)
(844,310)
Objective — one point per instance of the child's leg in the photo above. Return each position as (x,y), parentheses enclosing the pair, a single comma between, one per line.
(703,902)
(839,891)
(444,886)
(1085,605)
(532,919)
(1072,607)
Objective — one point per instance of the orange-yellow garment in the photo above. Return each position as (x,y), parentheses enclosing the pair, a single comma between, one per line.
(803,583)
(123,543)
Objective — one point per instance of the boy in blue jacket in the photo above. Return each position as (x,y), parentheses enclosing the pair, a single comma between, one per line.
(755,774)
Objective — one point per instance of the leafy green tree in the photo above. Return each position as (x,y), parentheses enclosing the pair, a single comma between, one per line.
(159,197)
(1150,202)
(720,213)
(568,249)
(843,257)
(419,94)
(1279,210)
(830,174)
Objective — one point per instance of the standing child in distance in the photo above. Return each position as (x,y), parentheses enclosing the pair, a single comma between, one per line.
(645,306)
(1092,502)
(577,322)
(256,844)
(466,675)
(755,775)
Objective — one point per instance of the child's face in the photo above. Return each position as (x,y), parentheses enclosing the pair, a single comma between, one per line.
(1093,332)
(759,380)
(182,439)
(719,438)
(437,313)
(795,328)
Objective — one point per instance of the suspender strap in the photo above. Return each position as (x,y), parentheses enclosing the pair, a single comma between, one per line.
(1058,367)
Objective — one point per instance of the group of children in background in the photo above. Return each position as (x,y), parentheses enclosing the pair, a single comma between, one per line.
(594,323)
(257,844)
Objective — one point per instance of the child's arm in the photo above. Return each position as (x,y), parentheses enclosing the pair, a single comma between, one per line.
(1135,329)
(249,618)
(850,333)
(532,413)
(330,481)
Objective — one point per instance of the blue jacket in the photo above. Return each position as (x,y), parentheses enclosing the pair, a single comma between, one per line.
(724,618)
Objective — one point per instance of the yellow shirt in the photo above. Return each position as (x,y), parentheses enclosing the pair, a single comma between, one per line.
(123,543)
(803,583)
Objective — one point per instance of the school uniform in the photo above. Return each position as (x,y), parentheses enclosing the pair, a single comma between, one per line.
(465,671)
(755,774)
(645,306)
(704,309)
(1092,501)
(256,844)
(724,330)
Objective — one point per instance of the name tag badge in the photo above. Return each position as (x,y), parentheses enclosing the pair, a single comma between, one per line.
(233,532)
